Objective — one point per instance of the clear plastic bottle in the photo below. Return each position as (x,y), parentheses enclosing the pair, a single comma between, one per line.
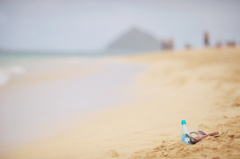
(185,134)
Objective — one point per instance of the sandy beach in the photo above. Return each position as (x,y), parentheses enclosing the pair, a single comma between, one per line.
(201,86)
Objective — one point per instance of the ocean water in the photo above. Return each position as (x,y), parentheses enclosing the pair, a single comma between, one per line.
(13,65)
(9,69)
(38,109)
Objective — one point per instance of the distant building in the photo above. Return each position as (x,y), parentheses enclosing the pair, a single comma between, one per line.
(167,44)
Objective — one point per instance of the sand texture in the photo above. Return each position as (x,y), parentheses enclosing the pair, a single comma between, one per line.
(200,86)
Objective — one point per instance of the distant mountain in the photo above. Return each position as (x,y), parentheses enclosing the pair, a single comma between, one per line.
(135,40)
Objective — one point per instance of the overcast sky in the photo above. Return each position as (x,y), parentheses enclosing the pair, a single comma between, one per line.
(93,24)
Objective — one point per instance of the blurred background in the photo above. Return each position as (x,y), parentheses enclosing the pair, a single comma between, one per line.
(50,70)
(79,25)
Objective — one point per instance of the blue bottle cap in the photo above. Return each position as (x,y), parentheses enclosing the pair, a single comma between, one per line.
(183,122)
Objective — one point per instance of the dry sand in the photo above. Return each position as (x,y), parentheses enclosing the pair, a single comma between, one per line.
(200,86)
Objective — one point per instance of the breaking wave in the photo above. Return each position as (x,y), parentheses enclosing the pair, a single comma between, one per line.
(9,72)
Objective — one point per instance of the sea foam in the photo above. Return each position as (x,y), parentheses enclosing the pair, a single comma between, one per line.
(8,72)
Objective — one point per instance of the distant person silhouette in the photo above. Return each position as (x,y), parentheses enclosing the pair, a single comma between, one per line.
(188,46)
(171,43)
(206,39)
(231,44)
(218,45)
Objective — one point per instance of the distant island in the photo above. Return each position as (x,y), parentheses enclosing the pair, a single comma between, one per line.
(135,40)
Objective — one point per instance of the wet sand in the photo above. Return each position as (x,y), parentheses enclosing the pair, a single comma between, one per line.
(43,102)
(200,86)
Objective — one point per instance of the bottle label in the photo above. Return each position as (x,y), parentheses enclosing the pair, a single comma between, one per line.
(186,139)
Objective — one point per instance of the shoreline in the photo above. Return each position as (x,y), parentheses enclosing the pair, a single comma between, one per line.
(49,101)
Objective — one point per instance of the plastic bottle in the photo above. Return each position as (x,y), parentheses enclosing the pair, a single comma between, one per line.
(185,134)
